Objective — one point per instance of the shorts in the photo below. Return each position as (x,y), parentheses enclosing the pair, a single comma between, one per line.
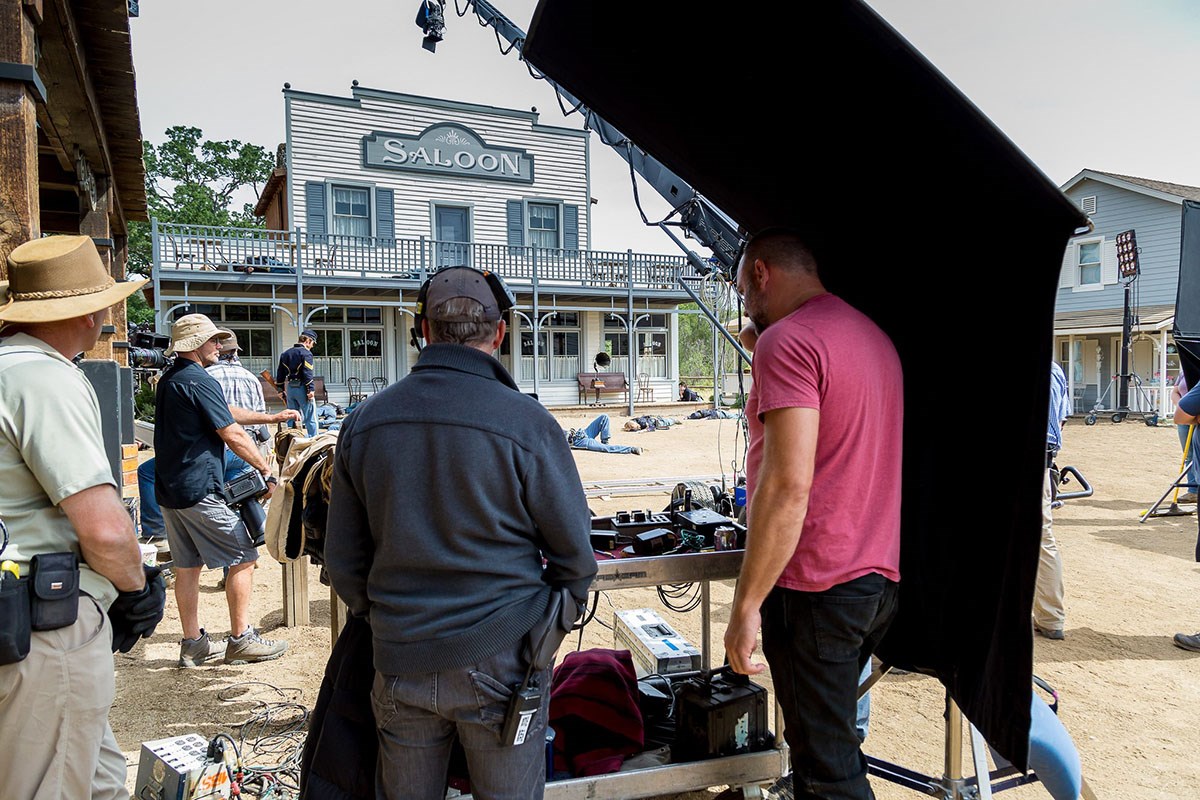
(209,533)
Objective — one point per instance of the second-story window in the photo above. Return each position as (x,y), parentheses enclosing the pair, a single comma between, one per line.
(543,225)
(1089,264)
(351,211)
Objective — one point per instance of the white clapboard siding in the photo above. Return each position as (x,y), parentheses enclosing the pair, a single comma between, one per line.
(326,145)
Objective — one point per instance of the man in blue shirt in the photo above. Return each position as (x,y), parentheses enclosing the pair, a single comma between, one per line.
(1187,412)
(193,425)
(1049,615)
(296,370)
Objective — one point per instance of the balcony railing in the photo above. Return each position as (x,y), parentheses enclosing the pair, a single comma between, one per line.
(320,257)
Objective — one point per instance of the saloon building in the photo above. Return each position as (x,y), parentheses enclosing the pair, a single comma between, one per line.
(373,192)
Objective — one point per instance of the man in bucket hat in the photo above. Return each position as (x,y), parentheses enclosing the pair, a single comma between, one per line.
(193,425)
(58,496)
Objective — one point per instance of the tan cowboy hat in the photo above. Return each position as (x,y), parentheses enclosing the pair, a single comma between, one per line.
(191,331)
(57,278)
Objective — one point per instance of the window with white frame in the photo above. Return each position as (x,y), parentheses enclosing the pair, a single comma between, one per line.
(1088,262)
(351,211)
(558,357)
(651,343)
(543,225)
(349,343)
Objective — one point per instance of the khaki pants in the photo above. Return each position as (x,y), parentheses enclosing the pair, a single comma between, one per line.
(1048,611)
(54,705)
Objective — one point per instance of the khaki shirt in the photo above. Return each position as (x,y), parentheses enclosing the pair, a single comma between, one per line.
(51,447)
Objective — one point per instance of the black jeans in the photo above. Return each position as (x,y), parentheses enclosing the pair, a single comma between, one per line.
(817,644)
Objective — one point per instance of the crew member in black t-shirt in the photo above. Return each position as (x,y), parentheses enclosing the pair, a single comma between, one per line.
(193,424)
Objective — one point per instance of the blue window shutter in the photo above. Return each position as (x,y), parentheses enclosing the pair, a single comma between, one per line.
(385,217)
(570,227)
(316,210)
(516,223)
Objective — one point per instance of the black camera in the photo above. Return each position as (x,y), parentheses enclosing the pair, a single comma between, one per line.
(242,494)
(147,350)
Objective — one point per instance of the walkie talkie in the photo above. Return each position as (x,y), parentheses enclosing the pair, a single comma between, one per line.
(526,699)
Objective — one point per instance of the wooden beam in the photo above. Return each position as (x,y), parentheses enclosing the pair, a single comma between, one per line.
(19,205)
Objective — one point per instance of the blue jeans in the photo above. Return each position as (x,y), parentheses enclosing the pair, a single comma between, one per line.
(418,715)
(817,644)
(153,526)
(1193,476)
(599,429)
(297,398)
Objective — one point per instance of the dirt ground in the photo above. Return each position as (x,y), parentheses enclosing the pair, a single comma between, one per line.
(1128,696)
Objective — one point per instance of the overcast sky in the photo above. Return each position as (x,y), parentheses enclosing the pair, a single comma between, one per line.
(1099,84)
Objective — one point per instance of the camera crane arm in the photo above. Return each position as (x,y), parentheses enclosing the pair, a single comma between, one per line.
(702,220)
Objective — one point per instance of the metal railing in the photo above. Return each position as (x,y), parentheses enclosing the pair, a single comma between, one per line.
(204,248)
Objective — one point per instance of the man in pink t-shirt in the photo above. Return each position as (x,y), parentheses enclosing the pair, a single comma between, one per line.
(823,477)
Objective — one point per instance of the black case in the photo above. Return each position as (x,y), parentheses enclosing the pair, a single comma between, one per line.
(14,619)
(721,714)
(54,591)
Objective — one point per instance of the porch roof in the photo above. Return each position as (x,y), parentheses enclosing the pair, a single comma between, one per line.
(1108,320)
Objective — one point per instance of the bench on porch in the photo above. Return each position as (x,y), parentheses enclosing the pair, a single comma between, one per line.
(601,382)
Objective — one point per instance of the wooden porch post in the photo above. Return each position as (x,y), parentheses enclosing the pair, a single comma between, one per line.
(19,207)
(95,223)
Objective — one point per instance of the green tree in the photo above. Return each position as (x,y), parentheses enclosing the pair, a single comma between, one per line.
(193,181)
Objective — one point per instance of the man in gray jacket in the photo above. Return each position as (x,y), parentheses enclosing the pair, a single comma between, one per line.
(450,488)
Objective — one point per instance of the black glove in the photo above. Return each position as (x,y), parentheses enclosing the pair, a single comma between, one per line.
(134,615)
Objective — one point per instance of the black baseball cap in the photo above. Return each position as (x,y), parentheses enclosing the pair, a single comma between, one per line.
(454,282)
(308,333)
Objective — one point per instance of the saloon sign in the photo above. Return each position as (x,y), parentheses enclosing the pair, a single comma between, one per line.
(447,149)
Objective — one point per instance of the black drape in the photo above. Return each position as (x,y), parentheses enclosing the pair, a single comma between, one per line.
(819,116)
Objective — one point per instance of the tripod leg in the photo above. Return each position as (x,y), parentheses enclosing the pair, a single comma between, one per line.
(983,774)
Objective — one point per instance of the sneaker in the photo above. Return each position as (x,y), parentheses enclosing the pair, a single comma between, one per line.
(637,451)
(194,652)
(250,648)
(1190,497)
(1188,641)
(1056,635)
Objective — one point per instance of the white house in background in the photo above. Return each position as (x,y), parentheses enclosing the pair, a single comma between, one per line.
(373,192)
(1088,311)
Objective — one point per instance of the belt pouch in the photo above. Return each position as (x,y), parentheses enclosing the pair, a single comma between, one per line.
(54,580)
(14,619)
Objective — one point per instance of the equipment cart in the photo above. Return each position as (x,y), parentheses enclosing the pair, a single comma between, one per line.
(747,772)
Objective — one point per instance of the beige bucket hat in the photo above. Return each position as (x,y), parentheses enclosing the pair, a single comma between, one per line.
(191,331)
(57,278)
(229,345)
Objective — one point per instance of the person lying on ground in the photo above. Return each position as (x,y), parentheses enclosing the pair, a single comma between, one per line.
(595,438)
(650,423)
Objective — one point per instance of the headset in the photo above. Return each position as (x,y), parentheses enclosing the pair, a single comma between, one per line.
(504,297)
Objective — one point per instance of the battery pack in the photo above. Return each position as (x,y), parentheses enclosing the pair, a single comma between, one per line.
(720,714)
(170,768)
(655,646)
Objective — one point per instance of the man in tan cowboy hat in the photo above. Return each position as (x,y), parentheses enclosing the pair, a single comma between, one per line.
(58,496)
(193,425)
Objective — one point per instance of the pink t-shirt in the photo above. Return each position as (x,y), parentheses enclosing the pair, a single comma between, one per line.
(828,356)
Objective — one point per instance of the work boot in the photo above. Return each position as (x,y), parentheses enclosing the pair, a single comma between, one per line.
(1189,497)
(194,652)
(250,648)
(1188,641)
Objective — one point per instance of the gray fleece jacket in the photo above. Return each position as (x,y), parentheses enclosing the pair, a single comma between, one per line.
(450,487)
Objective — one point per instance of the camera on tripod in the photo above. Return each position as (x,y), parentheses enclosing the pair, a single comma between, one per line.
(147,350)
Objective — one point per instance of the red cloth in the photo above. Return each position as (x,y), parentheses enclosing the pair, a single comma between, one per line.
(829,356)
(594,712)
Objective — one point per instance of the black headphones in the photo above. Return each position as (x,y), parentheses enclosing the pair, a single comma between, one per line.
(504,297)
